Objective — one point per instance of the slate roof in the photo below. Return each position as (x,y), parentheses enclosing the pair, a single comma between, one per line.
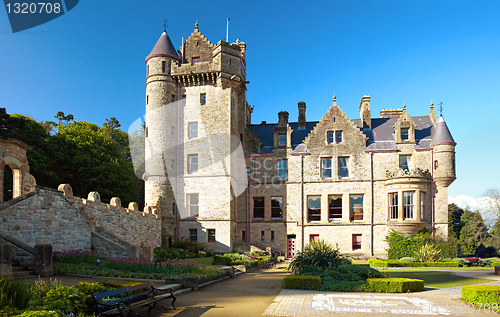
(163,47)
(380,136)
(442,133)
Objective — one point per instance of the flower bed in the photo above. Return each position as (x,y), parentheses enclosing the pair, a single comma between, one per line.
(84,263)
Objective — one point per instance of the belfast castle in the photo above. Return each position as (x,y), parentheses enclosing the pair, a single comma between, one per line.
(215,177)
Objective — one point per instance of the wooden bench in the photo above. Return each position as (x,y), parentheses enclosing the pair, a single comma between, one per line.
(123,300)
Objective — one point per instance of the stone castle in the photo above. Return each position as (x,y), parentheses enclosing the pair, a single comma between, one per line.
(215,177)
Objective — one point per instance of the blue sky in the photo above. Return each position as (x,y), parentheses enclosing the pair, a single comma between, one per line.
(90,63)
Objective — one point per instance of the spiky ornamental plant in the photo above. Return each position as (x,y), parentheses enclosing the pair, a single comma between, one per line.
(428,253)
(318,254)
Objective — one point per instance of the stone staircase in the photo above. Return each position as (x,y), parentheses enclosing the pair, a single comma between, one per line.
(19,271)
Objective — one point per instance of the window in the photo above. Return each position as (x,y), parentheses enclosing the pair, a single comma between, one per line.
(195,60)
(193,204)
(193,235)
(147,99)
(435,164)
(193,164)
(243,235)
(338,136)
(262,236)
(356,241)
(281,139)
(276,207)
(393,206)
(258,207)
(174,208)
(408,206)
(343,167)
(272,235)
(329,137)
(183,100)
(313,208)
(282,169)
(313,237)
(249,171)
(211,235)
(326,167)
(203,99)
(422,205)
(356,207)
(193,130)
(335,208)
(148,70)
(405,162)
(163,67)
(405,134)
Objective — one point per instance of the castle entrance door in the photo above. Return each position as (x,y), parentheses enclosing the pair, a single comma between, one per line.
(290,246)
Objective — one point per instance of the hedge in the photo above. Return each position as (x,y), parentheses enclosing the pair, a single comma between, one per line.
(377,263)
(394,285)
(476,294)
(493,264)
(221,260)
(362,264)
(413,264)
(303,282)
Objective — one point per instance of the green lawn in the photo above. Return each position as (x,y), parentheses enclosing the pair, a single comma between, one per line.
(201,261)
(437,279)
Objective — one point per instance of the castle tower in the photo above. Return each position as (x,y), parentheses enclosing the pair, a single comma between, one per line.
(443,170)
(198,132)
(161,115)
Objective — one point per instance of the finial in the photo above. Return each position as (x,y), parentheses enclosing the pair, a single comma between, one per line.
(334,97)
(165,21)
(440,109)
(196,26)
(404,107)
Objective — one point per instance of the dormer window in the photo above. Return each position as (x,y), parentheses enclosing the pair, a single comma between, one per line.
(195,60)
(282,139)
(405,134)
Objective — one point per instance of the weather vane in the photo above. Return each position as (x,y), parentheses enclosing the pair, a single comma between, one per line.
(165,25)
(440,109)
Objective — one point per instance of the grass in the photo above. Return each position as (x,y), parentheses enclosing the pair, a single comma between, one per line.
(201,261)
(437,279)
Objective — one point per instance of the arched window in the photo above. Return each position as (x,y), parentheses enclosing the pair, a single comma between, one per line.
(8,183)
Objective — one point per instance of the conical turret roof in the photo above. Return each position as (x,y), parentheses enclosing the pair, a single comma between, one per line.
(442,134)
(163,47)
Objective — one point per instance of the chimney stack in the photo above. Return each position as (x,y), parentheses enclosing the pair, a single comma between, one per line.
(365,113)
(302,115)
(282,118)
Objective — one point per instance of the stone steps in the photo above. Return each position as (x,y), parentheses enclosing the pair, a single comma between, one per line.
(20,271)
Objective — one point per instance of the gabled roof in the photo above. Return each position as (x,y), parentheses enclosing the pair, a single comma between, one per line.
(442,134)
(163,47)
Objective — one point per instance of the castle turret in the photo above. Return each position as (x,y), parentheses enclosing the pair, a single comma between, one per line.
(161,112)
(444,154)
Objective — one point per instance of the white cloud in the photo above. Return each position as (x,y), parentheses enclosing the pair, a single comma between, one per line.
(474,204)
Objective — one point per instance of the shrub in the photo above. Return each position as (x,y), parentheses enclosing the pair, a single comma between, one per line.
(481,294)
(221,260)
(378,263)
(449,249)
(461,261)
(14,294)
(401,246)
(428,253)
(362,264)
(474,261)
(319,254)
(424,264)
(163,253)
(394,285)
(408,259)
(302,282)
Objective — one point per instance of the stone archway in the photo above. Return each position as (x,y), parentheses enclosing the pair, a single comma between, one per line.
(13,154)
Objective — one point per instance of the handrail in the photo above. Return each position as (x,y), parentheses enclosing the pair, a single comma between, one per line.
(21,245)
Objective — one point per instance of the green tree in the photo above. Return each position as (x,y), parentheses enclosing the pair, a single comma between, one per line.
(473,233)
(455,223)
